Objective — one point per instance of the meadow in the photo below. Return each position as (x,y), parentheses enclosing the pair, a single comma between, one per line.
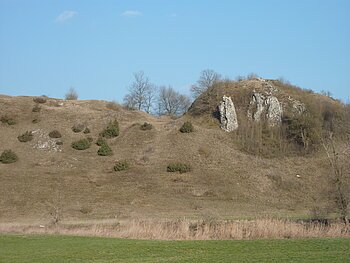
(28,248)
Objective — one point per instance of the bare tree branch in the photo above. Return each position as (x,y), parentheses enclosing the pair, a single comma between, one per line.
(206,79)
(141,93)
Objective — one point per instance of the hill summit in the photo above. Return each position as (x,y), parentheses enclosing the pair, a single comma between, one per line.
(271,117)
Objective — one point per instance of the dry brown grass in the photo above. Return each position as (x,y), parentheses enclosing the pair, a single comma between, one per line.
(184,229)
(224,182)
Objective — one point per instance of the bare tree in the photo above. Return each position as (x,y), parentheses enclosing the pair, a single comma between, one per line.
(171,102)
(340,176)
(150,99)
(71,94)
(141,93)
(206,79)
(129,102)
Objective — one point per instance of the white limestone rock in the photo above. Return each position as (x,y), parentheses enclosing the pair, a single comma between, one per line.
(274,111)
(269,105)
(228,116)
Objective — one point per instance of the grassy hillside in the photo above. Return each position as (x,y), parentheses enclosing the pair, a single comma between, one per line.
(80,249)
(52,179)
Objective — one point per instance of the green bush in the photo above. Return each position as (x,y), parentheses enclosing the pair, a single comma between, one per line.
(105,150)
(178,167)
(82,144)
(7,120)
(8,156)
(187,127)
(25,137)
(55,134)
(100,141)
(39,99)
(36,108)
(121,166)
(146,126)
(86,131)
(111,131)
(78,127)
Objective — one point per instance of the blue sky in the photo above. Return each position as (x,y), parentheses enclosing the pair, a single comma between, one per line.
(47,46)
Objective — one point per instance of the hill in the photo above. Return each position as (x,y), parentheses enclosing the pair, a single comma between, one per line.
(228,179)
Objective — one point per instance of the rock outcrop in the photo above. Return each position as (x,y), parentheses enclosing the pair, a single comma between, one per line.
(228,116)
(258,100)
(265,104)
(274,111)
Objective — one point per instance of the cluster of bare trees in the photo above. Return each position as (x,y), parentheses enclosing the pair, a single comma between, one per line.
(143,95)
(165,100)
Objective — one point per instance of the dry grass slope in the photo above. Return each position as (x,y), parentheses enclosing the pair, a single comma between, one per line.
(51,177)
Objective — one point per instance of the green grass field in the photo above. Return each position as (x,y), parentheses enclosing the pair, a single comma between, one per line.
(26,248)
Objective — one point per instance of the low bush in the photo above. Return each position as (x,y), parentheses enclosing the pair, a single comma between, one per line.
(39,99)
(86,131)
(36,108)
(121,166)
(59,143)
(178,167)
(187,127)
(7,120)
(90,139)
(82,144)
(111,131)
(146,126)
(78,127)
(35,121)
(55,134)
(100,141)
(8,156)
(25,137)
(105,150)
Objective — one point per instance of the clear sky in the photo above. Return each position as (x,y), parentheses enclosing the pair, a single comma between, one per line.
(47,46)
